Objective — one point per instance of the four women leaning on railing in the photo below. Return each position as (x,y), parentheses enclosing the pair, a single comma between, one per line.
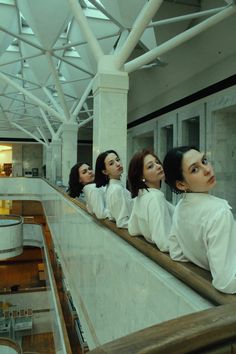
(200,229)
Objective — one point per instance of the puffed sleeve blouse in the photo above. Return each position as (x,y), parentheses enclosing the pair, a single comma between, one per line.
(151,217)
(119,203)
(204,232)
(95,200)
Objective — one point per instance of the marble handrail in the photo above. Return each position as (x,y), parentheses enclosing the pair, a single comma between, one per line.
(192,275)
(195,277)
(96,259)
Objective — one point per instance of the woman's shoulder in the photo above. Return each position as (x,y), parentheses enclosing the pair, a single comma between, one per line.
(89,186)
(205,201)
(150,193)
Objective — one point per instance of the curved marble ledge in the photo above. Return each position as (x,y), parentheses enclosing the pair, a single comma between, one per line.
(8,346)
(11,236)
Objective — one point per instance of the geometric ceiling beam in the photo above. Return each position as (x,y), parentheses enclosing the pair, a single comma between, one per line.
(74,65)
(18,113)
(143,19)
(186,17)
(77,44)
(52,99)
(18,77)
(103,10)
(84,122)
(32,97)
(179,39)
(82,99)
(21,59)
(86,30)
(43,135)
(87,110)
(30,134)
(58,86)
(59,131)
(18,100)
(14,35)
(123,36)
(48,124)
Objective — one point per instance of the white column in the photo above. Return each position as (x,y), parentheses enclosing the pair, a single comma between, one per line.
(49,163)
(110,91)
(69,149)
(56,161)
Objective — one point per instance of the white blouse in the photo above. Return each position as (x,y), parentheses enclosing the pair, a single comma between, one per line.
(119,203)
(204,232)
(151,217)
(95,200)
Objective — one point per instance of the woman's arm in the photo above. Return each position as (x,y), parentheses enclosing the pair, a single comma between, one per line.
(120,206)
(159,221)
(221,251)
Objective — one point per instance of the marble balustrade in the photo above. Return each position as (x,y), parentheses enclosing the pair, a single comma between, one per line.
(116,290)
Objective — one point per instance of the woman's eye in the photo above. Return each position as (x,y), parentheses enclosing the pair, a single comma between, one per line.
(194,170)
(205,161)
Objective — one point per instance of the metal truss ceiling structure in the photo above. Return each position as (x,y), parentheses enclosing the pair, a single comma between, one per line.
(46,62)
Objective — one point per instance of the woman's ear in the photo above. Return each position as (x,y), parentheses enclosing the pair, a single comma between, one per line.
(181,185)
(104,172)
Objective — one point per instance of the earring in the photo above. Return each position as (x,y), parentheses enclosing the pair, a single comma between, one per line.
(144,180)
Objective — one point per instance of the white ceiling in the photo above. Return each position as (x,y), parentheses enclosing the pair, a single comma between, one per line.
(46,63)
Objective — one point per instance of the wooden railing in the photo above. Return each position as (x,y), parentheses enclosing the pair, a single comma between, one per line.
(209,331)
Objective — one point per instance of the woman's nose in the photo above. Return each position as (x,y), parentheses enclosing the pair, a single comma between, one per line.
(207,169)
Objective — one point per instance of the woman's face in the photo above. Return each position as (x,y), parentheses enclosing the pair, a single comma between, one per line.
(197,172)
(86,174)
(153,172)
(113,166)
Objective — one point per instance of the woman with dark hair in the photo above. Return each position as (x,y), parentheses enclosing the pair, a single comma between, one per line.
(152,214)
(108,172)
(80,175)
(81,181)
(203,229)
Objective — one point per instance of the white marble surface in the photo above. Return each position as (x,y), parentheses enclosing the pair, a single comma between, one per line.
(11,238)
(32,235)
(115,289)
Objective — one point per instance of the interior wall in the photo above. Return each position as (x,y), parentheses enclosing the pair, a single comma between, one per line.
(6,156)
(25,157)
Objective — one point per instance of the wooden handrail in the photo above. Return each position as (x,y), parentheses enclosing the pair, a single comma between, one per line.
(187,334)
